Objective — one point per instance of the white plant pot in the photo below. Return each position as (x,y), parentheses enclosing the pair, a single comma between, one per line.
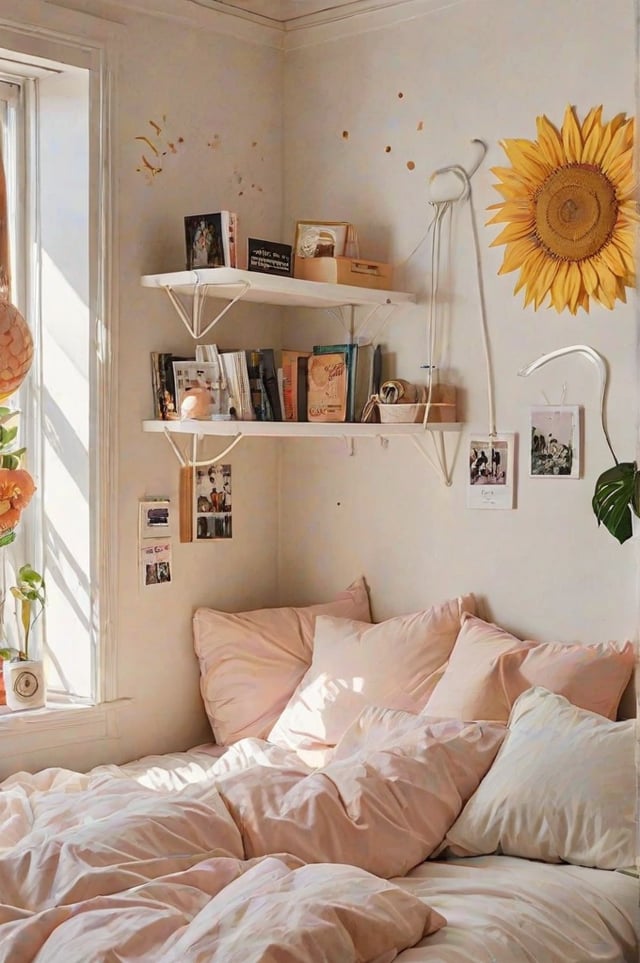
(24,684)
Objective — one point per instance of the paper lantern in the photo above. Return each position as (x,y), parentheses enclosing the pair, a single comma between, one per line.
(16,349)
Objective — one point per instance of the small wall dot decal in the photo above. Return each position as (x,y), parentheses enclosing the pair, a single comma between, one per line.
(345,135)
(420,125)
(387,149)
(411,166)
(400,95)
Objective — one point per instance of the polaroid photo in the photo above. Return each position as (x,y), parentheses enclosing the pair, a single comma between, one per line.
(491,481)
(554,450)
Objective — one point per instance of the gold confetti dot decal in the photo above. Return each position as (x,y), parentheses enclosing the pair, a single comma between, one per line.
(387,149)
(411,165)
(345,135)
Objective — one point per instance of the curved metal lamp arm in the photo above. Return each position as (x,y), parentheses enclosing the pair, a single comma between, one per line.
(600,364)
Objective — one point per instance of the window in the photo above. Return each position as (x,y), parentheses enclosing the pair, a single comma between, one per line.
(52,123)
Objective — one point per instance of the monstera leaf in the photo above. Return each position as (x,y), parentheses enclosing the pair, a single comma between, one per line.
(617,493)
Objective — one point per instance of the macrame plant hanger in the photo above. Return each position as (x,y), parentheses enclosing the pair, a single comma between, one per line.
(442,208)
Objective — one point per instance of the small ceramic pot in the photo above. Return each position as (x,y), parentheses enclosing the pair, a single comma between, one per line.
(24,684)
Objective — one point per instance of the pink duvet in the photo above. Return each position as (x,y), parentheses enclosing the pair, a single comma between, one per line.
(260,859)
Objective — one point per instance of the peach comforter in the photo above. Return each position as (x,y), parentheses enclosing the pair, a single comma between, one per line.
(248,857)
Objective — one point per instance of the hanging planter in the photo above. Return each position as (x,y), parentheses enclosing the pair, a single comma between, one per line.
(569,208)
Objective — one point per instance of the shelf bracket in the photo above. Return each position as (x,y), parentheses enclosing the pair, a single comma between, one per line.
(193,320)
(438,460)
(349,445)
(185,462)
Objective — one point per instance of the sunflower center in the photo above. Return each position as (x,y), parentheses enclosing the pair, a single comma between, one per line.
(575,212)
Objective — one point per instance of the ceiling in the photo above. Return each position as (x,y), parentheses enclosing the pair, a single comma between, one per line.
(288,11)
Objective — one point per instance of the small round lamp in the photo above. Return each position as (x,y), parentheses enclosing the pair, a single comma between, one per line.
(16,349)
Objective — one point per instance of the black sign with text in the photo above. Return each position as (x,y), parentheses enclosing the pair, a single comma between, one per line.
(269,257)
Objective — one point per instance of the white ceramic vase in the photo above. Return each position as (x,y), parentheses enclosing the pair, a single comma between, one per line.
(24,684)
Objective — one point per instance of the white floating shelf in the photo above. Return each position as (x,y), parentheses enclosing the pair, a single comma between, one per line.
(296,429)
(226,283)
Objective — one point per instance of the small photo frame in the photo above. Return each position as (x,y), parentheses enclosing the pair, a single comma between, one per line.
(155,562)
(491,481)
(155,518)
(320,238)
(204,238)
(554,450)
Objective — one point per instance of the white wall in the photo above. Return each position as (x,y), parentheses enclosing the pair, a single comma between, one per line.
(469,70)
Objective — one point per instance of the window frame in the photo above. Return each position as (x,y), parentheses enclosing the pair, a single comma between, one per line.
(103,462)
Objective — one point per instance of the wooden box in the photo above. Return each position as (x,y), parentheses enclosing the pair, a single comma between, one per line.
(345,270)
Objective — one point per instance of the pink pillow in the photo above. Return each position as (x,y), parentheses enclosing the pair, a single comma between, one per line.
(489,668)
(250,662)
(394,664)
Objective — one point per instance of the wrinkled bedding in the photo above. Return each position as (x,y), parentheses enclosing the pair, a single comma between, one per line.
(242,855)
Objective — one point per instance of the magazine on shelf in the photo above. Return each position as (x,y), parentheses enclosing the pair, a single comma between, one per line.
(327,387)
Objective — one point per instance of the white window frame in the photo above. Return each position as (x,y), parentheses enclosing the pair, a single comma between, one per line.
(31,46)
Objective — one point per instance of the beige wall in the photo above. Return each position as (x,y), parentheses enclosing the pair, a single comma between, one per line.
(469,70)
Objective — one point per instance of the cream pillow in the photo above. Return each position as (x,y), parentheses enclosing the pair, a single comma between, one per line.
(251,662)
(489,668)
(394,664)
(562,788)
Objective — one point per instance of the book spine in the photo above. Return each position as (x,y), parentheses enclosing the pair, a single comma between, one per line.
(301,387)
(270,377)
(155,386)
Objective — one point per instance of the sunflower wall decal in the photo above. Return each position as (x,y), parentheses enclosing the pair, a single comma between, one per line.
(569,207)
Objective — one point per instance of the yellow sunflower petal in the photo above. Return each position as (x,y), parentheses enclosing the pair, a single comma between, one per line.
(573,286)
(613,259)
(589,276)
(515,253)
(550,141)
(571,136)
(591,121)
(513,232)
(557,290)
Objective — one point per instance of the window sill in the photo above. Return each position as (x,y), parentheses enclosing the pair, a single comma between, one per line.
(56,724)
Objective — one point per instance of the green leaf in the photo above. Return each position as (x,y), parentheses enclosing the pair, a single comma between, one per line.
(613,497)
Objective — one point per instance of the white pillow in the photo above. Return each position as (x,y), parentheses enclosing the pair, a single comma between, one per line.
(562,788)
(393,664)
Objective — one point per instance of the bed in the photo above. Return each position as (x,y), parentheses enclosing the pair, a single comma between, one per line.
(426,789)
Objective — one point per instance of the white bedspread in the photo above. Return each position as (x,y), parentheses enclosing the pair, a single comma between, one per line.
(500,909)
(118,860)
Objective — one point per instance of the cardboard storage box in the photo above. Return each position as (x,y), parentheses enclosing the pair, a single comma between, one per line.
(344,270)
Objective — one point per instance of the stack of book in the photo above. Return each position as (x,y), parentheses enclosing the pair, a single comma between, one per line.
(331,383)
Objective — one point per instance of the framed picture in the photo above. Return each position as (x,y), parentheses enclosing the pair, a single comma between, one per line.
(555,441)
(205,240)
(320,238)
(155,518)
(491,482)
(212,514)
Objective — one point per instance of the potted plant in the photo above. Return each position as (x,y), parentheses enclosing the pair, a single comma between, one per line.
(24,677)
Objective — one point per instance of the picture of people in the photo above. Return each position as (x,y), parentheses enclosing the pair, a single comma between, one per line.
(488,462)
(213,502)
(555,441)
(204,244)
(491,471)
(155,561)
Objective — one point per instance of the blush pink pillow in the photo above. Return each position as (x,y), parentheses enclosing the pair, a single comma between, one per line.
(251,662)
(489,668)
(394,664)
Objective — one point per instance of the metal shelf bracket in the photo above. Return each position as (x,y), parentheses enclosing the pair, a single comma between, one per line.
(192,320)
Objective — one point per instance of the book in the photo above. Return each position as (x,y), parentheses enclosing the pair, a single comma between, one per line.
(259,399)
(350,352)
(327,387)
(302,364)
(165,405)
(270,378)
(289,358)
(238,384)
